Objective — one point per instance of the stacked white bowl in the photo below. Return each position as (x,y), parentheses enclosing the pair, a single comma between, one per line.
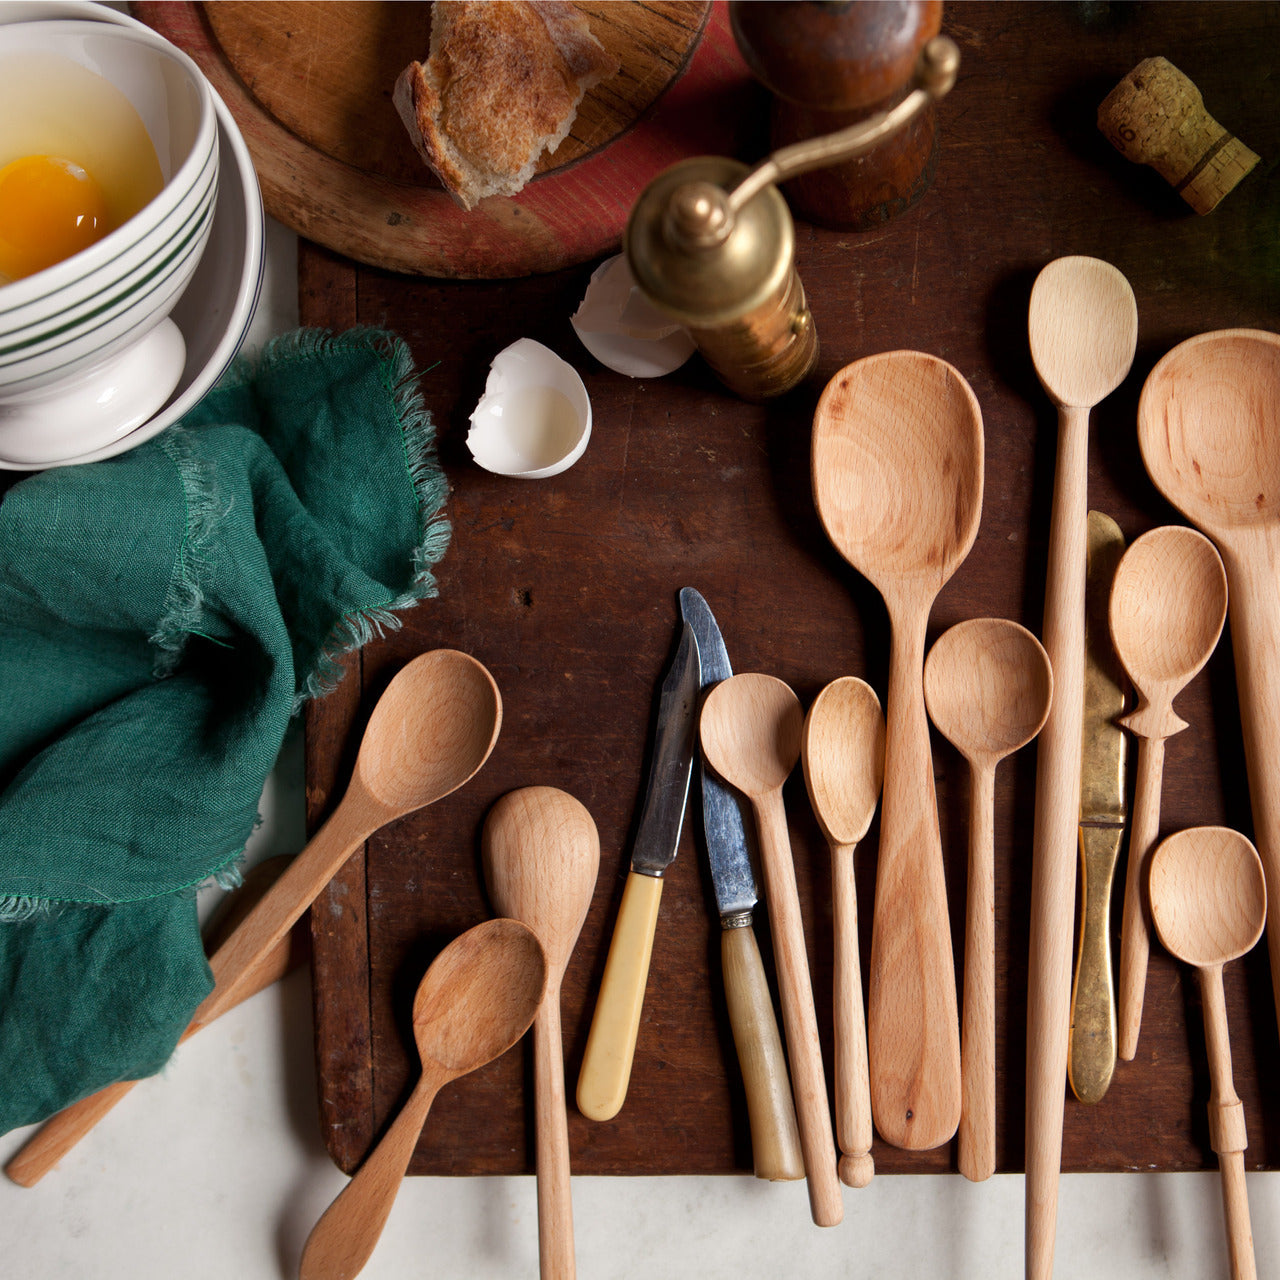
(103,350)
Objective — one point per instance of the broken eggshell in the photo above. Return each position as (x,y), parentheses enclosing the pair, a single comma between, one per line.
(624,330)
(534,419)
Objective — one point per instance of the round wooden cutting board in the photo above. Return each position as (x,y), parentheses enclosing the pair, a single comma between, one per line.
(310,86)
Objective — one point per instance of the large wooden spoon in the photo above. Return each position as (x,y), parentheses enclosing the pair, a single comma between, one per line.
(478,998)
(541,858)
(751,727)
(842,750)
(988,687)
(1083,326)
(897,481)
(1168,604)
(1209,430)
(431,730)
(1209,903)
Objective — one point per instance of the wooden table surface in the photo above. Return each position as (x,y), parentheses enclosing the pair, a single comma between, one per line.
(566,589)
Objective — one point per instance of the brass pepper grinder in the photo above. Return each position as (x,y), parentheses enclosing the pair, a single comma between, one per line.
(711,243)
(828,65)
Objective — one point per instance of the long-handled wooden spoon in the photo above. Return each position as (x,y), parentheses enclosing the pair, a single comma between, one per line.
(1083,326)
(751,727)
(988,687)
(431,730)
(1209,903)
(842,751)
(1209,430)
(1168,604)
(478,998)
(541,858)
(897,481)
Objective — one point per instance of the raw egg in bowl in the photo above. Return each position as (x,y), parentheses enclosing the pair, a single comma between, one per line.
(108,185)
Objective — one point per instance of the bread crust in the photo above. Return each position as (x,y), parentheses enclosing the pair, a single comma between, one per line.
(501,85)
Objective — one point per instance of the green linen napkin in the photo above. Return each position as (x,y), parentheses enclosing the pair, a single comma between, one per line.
(163,615)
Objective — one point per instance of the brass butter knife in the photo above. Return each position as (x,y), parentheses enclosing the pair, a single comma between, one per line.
(1091,1054)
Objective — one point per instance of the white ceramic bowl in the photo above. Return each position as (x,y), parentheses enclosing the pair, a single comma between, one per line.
(87,353)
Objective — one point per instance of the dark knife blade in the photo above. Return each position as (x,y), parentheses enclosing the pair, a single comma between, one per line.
(726,832)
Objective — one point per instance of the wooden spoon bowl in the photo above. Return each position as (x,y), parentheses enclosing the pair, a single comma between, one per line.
(1168,604)
(1208,895)
(988,687)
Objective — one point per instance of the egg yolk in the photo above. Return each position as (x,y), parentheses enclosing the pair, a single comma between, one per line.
(50,208)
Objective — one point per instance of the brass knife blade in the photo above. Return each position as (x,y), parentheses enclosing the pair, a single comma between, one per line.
(1091,1057)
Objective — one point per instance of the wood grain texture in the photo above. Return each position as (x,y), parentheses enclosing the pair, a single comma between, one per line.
(567,590)
(310,87)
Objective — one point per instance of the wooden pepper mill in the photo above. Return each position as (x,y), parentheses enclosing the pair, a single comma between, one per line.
(828,66)
(1156,116)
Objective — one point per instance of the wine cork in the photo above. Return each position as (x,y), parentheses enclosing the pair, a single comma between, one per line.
(1156,116)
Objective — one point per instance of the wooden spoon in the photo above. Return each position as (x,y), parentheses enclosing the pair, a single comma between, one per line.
(1083,326)
(897,480)
(1168,604)
(1209,903)
(751,727)
(988,687)
(842,750)
(478,998)
(541,859)
(1209,430)
(431,730)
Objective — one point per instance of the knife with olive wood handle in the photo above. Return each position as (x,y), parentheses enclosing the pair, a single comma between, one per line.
(771,1112)
(615,1025)
(1091,1052)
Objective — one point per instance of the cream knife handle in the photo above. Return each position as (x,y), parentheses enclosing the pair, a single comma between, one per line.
(1091,1055)
(1135,932)
(775,1138)
(611,1043)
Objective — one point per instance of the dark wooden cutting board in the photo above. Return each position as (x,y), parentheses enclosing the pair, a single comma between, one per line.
(566,589)
(310,86)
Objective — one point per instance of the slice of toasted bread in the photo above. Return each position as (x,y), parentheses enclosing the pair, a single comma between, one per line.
(501,85)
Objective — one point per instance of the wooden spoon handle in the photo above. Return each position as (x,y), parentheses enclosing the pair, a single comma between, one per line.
(853,1081)
(1227,1133)
(799,1018)
(913,1025)
(611,1043)
(345,1237)
(976,1156)
(46,1147)
(1135,929)
(1255,637)
(1057,816)
(775,1139)
(555,1200)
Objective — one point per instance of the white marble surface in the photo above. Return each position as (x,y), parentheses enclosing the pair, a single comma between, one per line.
(216,1170)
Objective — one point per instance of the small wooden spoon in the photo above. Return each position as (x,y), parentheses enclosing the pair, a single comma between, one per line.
(1209,430)
(431,730)
(897,481)
(1209,903)
(842,750)
(988,686)
(1083,327)
(1168,604)
(478,998)
(751,727)
(541,858)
